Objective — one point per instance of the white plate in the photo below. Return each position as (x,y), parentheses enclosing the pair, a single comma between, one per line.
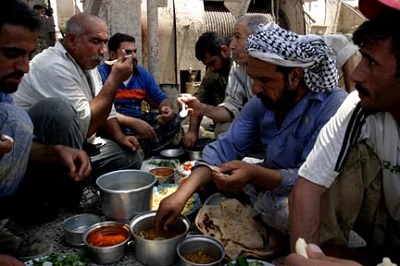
(184,172)
(264,263)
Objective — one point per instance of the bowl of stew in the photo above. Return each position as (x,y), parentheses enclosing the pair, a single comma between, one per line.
(107,241)
(163,175)
(200,250)
(157,248)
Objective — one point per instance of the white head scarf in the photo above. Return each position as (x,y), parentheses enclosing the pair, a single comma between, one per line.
(272,44)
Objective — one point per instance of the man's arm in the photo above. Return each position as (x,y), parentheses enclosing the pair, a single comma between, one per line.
(304,211)
(217,113)
(101,104)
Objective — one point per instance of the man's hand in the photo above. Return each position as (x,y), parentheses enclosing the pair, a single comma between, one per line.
(6,260)
(316,258)
(6,144)
(166,113)
(143,129)
(190,139)
(194,106)
(76,160)
(122,69)
(236,175)
(170,208)
(130,142)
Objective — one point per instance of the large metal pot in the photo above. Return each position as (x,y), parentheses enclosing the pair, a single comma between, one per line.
(156,252)
(126,193)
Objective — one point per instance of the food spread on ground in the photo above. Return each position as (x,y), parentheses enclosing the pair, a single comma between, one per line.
(162,191)
(231,222)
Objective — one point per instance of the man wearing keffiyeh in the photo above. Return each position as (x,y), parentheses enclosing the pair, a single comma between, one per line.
(295,82)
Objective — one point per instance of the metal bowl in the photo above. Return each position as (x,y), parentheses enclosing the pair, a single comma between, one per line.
(75,226)
(163,174)
(193,155)
(99,234)
(205,244)
(172,153)
(156,252)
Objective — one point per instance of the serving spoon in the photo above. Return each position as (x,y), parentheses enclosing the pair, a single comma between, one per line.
(184,112)
(112,62)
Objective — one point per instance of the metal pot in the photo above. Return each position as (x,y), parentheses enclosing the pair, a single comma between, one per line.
(205,244)
(156,252)
(112,253)
(126,193)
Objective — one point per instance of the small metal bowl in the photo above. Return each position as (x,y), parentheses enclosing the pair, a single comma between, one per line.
(200,243)
(75,226)
(164,175)
(172,153)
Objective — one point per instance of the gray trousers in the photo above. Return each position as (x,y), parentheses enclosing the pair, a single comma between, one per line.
(55,122)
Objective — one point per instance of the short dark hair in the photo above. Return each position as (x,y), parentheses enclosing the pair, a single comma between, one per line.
(210,42)
(18,13)
(384,26)
(115,41)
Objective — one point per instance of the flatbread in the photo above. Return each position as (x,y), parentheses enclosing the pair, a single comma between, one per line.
(232,223)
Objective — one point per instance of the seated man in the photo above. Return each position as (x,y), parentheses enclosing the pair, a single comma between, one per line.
(18,147)
(295,82)
(154,130)
(64,98)
(238,90)
(213,50)
(350,181)
(346,55)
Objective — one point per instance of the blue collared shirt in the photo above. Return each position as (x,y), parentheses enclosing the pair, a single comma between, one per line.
(286,147)
(14,122)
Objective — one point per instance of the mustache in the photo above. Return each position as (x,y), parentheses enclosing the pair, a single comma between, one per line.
(361,89)
(97,58)
(16,74)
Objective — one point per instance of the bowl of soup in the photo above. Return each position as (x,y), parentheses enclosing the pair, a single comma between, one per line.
(157,248)
(107,241)
(163,175)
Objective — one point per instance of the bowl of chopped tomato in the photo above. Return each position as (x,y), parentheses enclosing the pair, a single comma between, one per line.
(107,241)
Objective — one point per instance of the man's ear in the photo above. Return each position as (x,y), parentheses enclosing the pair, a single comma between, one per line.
(295,77)
(113,55)
(225,51)
(71,38)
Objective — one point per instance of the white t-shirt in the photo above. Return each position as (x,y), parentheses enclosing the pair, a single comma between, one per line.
(54,73)
(349,126)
